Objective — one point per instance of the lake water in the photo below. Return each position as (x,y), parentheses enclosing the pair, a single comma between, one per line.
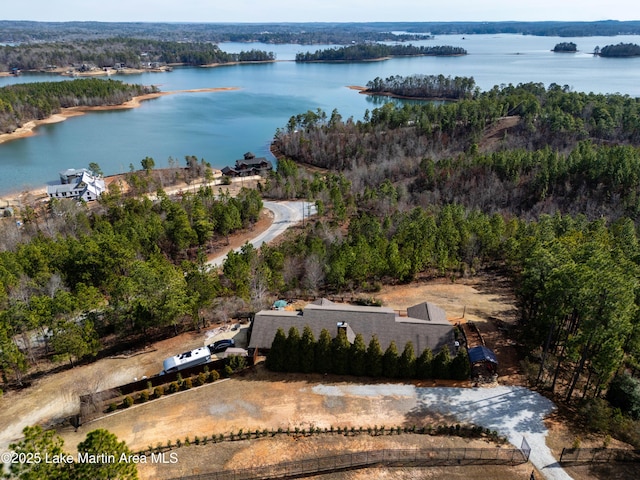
(221,126)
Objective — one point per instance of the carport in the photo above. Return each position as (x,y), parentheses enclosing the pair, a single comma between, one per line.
(483,361)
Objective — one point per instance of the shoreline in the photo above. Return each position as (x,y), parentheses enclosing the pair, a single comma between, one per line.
(28,129)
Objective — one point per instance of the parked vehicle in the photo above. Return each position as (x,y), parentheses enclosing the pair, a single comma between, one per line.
(222,345)
(187,359)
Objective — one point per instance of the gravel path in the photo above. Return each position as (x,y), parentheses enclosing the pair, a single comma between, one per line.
(514,412)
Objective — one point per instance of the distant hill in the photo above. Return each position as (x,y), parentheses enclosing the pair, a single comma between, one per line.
(301,33)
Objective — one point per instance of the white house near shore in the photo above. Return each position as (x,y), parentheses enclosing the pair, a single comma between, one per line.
(77,184)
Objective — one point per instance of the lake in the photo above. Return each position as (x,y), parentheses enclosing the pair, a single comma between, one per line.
(221,126)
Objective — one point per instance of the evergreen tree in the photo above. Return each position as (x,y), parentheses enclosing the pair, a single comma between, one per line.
(424,364)
(307,350)
(460,367)
(441,364)
(276,357)
(358,357)
(292,351)
(39,443)
(340,347)
(374,358)
(390,361)
(324,360)
(407,362)
(102,442)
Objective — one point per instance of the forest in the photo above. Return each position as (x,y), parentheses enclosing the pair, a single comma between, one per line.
(130,52)
(550,200)
(24,102)
(131,267)
(423,86)
(299,33)
(372,51)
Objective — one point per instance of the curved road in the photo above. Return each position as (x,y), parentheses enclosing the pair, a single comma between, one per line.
(285,215)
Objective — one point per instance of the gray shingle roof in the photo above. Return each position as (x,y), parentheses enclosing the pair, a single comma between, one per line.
(432,332)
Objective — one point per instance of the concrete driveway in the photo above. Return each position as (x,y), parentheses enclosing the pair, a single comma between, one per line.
(285,215)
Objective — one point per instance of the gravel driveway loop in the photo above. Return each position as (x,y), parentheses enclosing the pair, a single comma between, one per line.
(514,412)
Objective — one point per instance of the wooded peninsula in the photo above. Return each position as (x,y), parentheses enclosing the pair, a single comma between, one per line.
(24,102)
(124,52)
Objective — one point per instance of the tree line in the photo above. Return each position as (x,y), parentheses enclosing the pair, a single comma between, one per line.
(273,33)
(303,354)
(130,52)
(371,51)
(424,86)
(450,152)
(74,277)
(24,102)
(300,33)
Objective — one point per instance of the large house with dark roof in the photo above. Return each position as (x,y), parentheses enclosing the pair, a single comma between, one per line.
(426,325)
(249,165)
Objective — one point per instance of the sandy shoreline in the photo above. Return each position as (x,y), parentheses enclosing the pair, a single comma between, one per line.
(28,128)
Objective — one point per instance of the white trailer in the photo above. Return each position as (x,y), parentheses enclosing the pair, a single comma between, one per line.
(187,359)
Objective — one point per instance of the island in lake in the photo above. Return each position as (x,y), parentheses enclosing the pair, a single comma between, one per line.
(376,51)
(565,47)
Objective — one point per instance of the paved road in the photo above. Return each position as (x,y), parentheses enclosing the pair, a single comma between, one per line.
(285,215)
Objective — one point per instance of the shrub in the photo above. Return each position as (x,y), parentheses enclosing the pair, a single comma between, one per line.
(127,402)
(213,376)
(149,385)
(144,396)
(174,387)
(624,393)
(158,391)
(201,379)
(187,384)
(112,407)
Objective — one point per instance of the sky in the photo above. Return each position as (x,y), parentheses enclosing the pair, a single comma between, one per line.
(265,11)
